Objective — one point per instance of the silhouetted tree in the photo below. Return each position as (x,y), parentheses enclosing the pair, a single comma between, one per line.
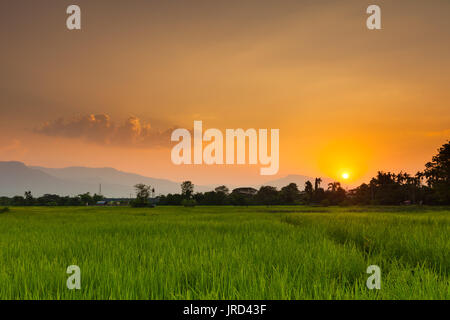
(222,189)
(29,200)
(335,193)
(187,189)
(317,183)
(437,173)
(142,195)
(333,186)
(289,194)
(86,198)
(267,195)
(97,197)
(18,201)
(309,191)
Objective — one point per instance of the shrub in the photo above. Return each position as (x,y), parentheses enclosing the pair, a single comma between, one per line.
(188,203)
(345,203)
(3,210)
(139,204)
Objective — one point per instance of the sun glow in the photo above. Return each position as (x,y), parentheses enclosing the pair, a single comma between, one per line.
(345,159)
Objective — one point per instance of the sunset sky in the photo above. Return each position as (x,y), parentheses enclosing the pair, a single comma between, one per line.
(346,99)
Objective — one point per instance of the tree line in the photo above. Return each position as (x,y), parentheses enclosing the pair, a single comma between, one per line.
(51,200)
(430,186)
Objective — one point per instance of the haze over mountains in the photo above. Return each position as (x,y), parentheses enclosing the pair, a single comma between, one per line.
(16,178)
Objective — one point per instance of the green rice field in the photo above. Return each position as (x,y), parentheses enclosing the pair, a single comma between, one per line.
(282,252)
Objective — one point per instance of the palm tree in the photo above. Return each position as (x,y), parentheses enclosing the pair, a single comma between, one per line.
(373,185)
(308,187)
(334,186)
(419,178)
(317,183)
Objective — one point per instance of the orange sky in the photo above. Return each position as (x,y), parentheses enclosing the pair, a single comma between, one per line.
(344,98)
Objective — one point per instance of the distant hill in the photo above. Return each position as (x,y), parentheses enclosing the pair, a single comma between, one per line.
(298,179)
(114,183)
(16,178)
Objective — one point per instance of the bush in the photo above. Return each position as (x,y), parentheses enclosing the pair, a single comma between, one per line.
(140,204)
(345,203)
(3,210)
(188,203)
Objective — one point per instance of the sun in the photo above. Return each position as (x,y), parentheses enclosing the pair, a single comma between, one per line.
(345,176)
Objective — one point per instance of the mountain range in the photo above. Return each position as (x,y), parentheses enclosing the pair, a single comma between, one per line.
(16,178)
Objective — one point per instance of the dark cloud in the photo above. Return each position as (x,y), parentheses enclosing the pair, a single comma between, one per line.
(100,129)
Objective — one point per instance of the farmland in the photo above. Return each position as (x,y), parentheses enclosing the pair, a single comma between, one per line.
(276,252)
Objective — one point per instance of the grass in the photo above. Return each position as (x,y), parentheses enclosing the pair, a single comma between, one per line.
(225,252)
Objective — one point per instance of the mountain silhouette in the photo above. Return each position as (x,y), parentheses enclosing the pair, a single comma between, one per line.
(16,178)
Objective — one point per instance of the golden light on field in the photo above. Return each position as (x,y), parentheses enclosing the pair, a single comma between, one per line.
(345,176)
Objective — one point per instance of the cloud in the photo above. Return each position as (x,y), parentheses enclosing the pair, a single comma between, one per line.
(101,130)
